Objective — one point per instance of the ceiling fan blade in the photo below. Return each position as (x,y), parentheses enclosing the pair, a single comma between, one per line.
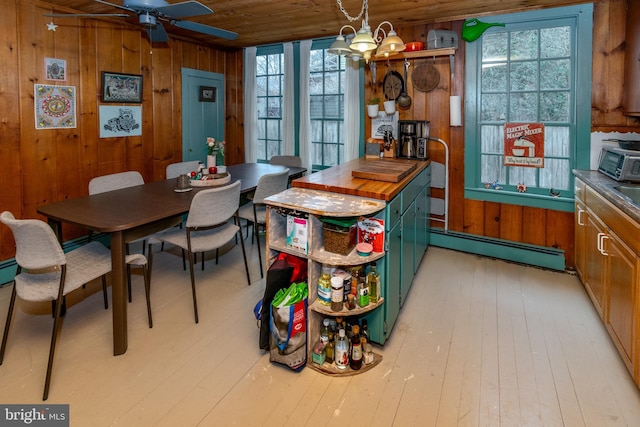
(117,6)
(184,9)
(205,29)
(86,15)
(157,34)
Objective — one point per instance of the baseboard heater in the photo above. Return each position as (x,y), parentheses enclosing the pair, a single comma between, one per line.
(540,256)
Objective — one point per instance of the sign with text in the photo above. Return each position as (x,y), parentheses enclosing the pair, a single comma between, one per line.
(34,415)
(524,144)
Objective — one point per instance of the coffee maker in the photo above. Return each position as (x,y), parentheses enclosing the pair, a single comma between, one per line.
(413,139)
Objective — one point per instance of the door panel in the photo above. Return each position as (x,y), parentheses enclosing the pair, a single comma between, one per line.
(201,118)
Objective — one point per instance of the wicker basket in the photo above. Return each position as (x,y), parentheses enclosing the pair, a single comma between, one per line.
(217,180)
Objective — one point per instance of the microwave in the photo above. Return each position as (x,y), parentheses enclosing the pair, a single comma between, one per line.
(620,164)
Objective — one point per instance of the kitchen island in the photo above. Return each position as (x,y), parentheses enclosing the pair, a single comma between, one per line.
(406,223)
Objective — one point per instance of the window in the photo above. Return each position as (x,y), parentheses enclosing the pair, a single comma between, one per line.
(536,69)
(326,102)
(269,85)
(326,93)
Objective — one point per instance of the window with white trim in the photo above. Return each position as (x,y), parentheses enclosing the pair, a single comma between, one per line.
(269,90)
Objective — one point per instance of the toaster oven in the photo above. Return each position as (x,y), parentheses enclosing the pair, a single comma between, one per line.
(620,164)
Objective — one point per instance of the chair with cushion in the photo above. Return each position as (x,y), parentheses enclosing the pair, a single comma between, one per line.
(208,227)
(288,161)
(117,181)
(46,273)
(174,170)
(255,212)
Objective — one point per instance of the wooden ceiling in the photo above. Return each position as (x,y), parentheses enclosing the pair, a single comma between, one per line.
(260,22)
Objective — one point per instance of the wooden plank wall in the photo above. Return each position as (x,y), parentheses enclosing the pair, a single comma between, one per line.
(515,223)
(42,166)
(49,165)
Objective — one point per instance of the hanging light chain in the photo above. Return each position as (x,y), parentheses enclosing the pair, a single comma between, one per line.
(365,7)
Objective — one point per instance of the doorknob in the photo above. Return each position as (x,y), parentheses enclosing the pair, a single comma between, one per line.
(190,149)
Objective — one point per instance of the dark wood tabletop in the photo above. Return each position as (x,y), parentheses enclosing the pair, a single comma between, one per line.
(134,212)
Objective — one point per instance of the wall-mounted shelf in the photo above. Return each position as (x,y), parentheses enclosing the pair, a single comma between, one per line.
(418,54)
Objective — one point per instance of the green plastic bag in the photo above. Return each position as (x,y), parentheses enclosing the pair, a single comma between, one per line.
(295,293)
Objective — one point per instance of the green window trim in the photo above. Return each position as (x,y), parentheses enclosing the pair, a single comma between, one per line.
(581,20)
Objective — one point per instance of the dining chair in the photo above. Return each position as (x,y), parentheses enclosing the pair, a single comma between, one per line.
(174,170)
(208,227)
(288,161)
(117,181)
(46,273)
(255,212)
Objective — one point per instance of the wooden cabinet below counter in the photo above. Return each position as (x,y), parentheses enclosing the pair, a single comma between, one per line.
(608,262)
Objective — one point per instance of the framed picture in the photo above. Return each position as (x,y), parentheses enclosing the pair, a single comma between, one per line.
(207,94)
(55,69)
(117,87)
(116,121)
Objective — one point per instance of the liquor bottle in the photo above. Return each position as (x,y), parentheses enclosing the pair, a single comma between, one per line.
(337,290)
(329,350)
(356,349)
(373,280)
(324,331)
(364,330)
(341,351)
(363,290)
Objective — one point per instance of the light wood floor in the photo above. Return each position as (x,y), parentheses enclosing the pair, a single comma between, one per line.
(480,342)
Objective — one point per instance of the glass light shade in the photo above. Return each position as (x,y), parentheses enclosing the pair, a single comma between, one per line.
(339,47)
(363,41)
(393,42)
(384,51)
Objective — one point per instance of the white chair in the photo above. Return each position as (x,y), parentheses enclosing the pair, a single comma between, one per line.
(174,170)
(207,228)
(255,212)
(289,161)
(46,273)
(117,181)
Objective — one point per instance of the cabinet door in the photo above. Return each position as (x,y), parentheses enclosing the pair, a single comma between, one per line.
(631,101)
(408,257)
(580,239)
(392,288)
(595,262)
(621,313)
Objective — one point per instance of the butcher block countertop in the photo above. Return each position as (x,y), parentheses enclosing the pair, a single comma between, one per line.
(339,179)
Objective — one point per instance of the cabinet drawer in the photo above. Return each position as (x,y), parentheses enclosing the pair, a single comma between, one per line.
(622,225)
(414,188)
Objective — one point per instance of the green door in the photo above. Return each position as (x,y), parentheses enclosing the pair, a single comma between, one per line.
(202,111)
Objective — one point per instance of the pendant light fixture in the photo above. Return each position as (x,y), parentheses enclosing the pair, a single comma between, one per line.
(364,42)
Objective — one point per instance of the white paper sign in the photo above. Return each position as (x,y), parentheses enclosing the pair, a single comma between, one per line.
(384,122)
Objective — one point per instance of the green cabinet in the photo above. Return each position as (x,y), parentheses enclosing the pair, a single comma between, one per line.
(407,238)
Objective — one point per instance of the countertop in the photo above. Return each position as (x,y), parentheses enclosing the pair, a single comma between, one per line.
(604,186)
(338,179)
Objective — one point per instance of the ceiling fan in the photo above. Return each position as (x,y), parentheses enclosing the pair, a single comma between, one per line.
(151,12)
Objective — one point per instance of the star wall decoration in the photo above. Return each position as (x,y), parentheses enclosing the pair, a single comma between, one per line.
(51,26)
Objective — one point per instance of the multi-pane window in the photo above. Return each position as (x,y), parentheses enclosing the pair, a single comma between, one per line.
(526,72)
(269,79)
(326,92)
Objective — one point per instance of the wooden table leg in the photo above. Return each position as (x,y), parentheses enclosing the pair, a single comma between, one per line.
(118,293)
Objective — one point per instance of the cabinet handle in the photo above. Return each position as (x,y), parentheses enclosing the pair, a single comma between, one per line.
(580,212)
(601,237)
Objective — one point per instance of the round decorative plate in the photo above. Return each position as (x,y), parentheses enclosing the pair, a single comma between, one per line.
(393,85)
(425,77)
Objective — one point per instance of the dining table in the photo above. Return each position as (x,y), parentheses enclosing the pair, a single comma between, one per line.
(134,212)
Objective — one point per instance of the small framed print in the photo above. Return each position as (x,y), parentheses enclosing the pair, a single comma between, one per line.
(207,94)
(55,69)
(118,87)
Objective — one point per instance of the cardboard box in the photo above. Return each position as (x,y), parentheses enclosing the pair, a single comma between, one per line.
(297,233)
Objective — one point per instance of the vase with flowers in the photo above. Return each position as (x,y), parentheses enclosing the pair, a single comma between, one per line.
(215,152)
